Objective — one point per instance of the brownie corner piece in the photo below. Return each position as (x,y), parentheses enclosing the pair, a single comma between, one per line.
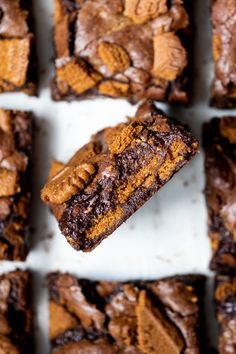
(15,152)
(223,14)
(135,317)
(122,49)
(112,176)
(17,47)
(16,317)
(225,301)
(219,140)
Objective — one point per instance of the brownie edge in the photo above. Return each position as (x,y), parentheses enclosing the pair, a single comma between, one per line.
(138,317)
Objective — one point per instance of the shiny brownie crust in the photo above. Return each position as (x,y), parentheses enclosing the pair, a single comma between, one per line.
(219,139)
(16,320)
(225,300)
(112,176)
(163,316)
(15,150)
(135,49)
(17,47)
(224,41)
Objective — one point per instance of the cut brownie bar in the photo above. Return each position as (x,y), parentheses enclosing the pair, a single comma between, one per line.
(15,147)
(17,47)
(16,322)
(225,297)
(157,317)
(112,176)
(224,23)
(134,49)
(219,138)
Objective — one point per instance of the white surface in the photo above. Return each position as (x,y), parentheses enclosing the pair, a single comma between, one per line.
(167,236)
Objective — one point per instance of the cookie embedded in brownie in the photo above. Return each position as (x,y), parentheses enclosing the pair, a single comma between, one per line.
(122,49)
(224,83)
(15,149)
(163,316)
(219,139)
(17,47)
(16,319)
(112,176)
(225,299)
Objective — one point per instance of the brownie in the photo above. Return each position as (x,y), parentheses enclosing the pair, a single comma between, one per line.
(112,176)
(16,321)
(224,42)
(15,148)
(134,49)
(219,139)
(17,47)
(159,317)
(225,299)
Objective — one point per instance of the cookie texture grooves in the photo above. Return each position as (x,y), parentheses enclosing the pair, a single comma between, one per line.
(223,39)
(15,152)
(219,140)
(225,300)
(133,49)
(112,176)
(16,317)
(163,316)
(18,62)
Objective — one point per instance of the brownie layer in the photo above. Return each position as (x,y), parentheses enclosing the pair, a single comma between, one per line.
(163,316)
(219,137)
(16,322)
(17,47)
(224,41)
(134,49)
(15,148)
(115,174)
(225,298)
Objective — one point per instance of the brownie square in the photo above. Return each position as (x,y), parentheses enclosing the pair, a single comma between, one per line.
(138,317)
(225,299)
(15,148)
(16,318)
(17,47)
(219,139)
(224,41)
(134,49)
(113,175)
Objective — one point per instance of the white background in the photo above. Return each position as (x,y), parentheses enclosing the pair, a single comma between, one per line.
(167,236)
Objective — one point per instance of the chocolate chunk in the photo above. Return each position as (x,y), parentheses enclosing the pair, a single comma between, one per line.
(135,49)
(17,47)
(15,149)
(220,167)
(135,319)
(115,174)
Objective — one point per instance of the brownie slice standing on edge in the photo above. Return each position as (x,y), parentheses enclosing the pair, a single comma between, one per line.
(219,139)
(16,318)
(17,47)
(122,48)
(15,148)
(225,298)
(112,176)
(224,24)
(163,316)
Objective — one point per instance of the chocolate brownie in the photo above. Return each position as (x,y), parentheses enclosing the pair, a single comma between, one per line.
(219,138)
(15,148)
(16,321)
(225,298)
(17,47)
(159,317)
(112,176)
(224,41)
(134,49)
